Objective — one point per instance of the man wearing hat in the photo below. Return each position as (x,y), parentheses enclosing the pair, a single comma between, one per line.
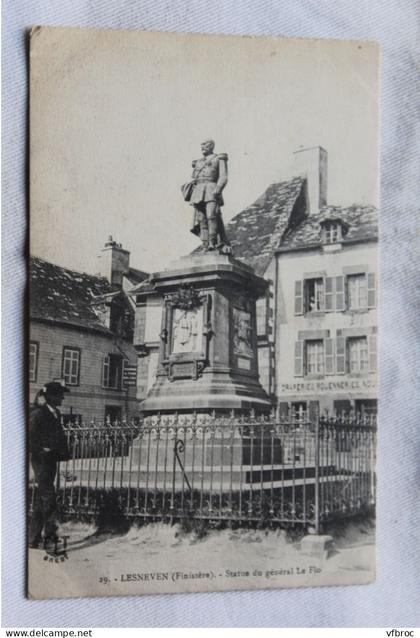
(47,446)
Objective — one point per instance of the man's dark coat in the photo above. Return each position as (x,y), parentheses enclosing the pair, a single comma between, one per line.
(45,431)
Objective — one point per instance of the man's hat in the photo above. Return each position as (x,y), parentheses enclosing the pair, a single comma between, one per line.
(55,387)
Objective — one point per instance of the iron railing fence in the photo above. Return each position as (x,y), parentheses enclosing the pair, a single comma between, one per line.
(233,468)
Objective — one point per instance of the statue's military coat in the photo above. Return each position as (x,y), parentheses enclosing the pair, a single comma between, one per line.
(209,174)
(210,177)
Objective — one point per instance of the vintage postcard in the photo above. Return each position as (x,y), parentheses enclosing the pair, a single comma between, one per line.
(203,312)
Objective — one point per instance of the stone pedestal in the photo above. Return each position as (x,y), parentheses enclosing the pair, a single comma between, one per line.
(208,354)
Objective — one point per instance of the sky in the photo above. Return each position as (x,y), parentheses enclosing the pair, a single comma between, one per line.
(116,118)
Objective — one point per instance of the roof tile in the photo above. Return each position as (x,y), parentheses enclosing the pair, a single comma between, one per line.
(256,232)
(64,295)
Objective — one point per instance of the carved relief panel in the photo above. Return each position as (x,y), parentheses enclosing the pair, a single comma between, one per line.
(187,330)
(186,333)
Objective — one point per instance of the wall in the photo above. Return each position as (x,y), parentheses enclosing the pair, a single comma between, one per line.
(325,388)
(147,329)
(88,398)
(265,330)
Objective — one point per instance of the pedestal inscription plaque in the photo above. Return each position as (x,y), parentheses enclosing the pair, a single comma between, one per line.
(208,352)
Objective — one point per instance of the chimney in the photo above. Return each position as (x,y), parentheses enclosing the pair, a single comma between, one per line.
(313,164)
(114,262)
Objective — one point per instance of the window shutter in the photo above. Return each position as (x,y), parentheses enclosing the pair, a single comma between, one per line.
(105,372)
(339,293)
(284,411)
(329,356)
(299,358)
(341,355)
(371,290)
(313,411)
(298,297)
(372,352)
(124,363)
(66,366)
(329,294)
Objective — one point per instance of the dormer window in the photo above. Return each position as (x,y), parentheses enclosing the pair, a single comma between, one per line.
(333,231)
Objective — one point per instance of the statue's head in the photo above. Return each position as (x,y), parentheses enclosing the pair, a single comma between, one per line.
(207,147)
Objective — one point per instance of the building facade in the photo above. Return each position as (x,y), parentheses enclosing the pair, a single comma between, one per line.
(81,332)
(317,328)
(326,332)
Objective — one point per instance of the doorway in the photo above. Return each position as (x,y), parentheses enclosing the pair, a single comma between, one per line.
(113,412)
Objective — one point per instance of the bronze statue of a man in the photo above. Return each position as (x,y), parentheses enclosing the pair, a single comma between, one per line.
(204,192)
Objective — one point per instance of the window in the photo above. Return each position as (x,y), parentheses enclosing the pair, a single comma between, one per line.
(335,294)
(310,355)
(309,296)
(358,355)
(72,419)
(112,371)
(299,411)
(71,365)
(113,413)
(366,407)
(33,360)
(315,357)
(356,292)
(314,295)
(342,407)
(341,355)
(332,232)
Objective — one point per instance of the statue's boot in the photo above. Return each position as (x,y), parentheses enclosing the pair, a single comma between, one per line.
(213,228)
(221,235)
(204,235)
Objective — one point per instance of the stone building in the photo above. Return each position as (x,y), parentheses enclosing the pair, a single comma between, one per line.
(81,331)
(317,327)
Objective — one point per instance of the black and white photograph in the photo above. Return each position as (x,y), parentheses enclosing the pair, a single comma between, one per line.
(203,291)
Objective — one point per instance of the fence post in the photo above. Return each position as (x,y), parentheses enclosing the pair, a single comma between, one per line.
(316,416)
